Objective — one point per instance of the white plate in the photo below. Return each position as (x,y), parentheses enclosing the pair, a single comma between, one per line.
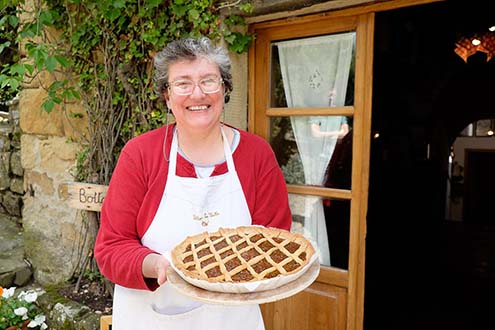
(261,297)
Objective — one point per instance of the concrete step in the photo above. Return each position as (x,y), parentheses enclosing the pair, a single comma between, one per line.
(14,269)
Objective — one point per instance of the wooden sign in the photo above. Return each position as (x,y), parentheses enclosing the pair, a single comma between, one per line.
(86,196)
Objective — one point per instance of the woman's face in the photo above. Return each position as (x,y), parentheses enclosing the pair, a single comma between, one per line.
(198,110)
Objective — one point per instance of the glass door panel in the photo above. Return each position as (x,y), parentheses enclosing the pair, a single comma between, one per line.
(325,222)
(313,72)
(318,152)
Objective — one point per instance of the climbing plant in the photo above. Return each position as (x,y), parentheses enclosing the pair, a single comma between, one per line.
(99,54)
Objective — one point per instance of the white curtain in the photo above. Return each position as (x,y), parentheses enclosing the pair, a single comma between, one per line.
(315,73)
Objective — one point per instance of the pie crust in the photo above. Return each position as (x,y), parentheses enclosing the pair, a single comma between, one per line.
(242,254)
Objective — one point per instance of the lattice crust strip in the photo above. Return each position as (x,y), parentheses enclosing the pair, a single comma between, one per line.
(242,254)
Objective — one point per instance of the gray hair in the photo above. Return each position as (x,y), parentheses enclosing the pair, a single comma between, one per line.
(190,49)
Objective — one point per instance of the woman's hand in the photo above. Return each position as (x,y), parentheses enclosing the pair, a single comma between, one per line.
(155,266)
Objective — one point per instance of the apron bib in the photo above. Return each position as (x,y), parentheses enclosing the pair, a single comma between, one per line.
(188,206)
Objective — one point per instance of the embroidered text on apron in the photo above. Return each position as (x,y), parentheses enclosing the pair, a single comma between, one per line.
(188,206)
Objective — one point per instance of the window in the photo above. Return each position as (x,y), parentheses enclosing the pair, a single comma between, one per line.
(309,99)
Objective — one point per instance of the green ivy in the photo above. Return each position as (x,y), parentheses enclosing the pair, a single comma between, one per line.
(102,55)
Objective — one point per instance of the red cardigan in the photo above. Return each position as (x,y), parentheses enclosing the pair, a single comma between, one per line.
(136,189)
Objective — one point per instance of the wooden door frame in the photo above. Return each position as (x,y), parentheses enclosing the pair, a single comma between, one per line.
(361,20)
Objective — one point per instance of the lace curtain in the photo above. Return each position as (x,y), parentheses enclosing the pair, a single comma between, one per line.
(315,73)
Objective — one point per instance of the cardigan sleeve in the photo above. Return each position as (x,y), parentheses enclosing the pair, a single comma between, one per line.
(118,249)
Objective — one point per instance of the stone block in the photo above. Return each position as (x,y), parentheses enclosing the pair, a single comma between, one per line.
(7,279)
(4,170)
(41,182)
(61,121)
(12,203)
(90,321)
(4,143)
(17,185)
(23,276)
(57,154)
(66,315)
(36,121)
(15,163)
(29,151)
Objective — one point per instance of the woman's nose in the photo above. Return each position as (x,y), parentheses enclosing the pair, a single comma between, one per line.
(197,91)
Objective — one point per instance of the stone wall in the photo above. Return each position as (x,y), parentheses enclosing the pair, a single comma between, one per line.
(14,269)
(53,232)
(11,171)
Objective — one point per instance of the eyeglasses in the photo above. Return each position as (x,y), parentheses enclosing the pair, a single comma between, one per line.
(208,85)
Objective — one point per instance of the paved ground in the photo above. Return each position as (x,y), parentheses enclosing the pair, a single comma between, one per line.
(14,270)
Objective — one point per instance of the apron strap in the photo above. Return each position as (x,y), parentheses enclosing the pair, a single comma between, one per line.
(172,165)
(228,153)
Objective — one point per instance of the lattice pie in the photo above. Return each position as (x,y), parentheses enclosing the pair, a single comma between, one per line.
(242,254)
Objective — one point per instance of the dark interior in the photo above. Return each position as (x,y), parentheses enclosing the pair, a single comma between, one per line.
(424,271)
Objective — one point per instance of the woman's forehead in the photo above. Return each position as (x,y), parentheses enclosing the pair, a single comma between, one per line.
(190,69)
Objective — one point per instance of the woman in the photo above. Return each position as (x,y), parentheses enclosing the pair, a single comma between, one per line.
(166,179)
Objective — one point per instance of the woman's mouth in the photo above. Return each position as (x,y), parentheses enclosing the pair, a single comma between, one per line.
(197,107)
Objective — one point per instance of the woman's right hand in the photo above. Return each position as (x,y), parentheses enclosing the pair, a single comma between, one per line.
(155,266)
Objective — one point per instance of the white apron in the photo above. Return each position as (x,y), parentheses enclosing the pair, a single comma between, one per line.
(188,206)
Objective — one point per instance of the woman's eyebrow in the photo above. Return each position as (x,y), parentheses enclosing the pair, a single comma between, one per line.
(208,75)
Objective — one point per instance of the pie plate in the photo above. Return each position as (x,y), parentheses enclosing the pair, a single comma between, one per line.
(247,286)
(291,288)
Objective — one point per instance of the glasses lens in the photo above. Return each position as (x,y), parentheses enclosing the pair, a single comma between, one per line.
(186,87)
(183,87)
(210,85)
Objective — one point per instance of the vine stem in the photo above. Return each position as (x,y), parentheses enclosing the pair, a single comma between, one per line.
(228,4)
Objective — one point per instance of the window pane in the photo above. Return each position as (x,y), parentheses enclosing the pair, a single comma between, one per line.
(325,222)
(313,72)
(314,150)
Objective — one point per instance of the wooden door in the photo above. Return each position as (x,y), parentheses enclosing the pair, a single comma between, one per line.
(336,299)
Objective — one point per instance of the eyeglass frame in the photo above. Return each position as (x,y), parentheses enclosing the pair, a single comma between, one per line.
(170,85)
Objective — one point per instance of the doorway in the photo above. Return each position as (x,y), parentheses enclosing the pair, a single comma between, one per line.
(423,270)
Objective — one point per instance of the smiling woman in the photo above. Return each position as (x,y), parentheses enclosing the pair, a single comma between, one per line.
(168,179)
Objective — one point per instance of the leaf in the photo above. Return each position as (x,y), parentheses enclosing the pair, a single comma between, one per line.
(57,84)
(154,3)
(48,105)
(50,63)
(45,17)
(13,20)
(62,60)
(118,3)
(19,69)
(193,15)
(14,83)
(29,68)
(247,8)
(4,45)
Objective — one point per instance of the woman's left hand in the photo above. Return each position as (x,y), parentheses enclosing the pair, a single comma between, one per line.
(155,266)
